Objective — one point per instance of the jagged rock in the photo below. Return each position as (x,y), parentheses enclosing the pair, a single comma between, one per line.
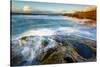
(72,49)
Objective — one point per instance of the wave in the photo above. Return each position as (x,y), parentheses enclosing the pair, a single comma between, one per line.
(57,31)
(48,32)
(36,41)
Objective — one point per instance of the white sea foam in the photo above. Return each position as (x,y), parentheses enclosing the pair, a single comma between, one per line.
(48,31)
(56,31)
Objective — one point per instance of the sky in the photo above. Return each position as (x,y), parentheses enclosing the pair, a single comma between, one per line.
(31,6)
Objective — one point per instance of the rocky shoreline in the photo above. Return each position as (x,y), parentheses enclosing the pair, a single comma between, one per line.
(68,49)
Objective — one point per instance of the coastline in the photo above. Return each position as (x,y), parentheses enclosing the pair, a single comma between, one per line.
(89,22)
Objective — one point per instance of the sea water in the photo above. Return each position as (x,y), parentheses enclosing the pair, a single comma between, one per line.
(36,27)
(24,23)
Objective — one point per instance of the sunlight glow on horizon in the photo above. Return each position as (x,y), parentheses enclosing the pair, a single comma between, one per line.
(27,9)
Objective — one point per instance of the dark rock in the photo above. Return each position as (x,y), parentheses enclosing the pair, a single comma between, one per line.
(15,61)
(23,38)
(58,38)
(68,60)
(44,43)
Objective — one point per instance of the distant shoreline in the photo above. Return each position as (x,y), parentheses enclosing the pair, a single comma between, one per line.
(13,13)
(81,20)
(89,22)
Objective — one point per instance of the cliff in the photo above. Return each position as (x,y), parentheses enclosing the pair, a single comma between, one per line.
(85,13)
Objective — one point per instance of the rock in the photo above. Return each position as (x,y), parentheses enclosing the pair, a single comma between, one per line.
(53,56)
(23,38)
(44,43)
(58,39)
(73,49)
(15,61)
(68,60)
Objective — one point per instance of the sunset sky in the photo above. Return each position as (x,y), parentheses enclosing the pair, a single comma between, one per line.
(28,6)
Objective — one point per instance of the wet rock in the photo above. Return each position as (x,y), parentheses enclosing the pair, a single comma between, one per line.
(44,43)
(68,60)
(23,38)
(53,56)
(58,39)
(15,61)
(73,49)
(65,43)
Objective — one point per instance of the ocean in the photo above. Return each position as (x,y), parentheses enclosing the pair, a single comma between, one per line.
(25,23)
(49,30)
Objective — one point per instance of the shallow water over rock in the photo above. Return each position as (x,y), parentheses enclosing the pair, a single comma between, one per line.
(84,50)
